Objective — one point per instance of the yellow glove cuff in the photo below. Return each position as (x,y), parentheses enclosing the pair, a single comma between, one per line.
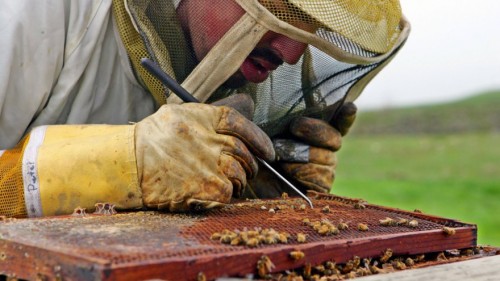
(84,165)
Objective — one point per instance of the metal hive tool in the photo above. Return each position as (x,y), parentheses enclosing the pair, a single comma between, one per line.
(152,245)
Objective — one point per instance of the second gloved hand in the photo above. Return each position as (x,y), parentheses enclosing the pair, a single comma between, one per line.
(309,157)
(196,155)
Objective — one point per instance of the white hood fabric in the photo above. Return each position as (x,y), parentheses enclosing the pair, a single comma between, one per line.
(60,63)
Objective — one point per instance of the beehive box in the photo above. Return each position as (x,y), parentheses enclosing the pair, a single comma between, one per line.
(153,245)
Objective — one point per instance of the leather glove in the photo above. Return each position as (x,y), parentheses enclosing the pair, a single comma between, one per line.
(307,156)
(197,155)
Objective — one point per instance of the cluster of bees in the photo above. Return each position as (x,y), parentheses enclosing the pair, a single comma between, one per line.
(356,267)
(412,223)
(329,270)
(283,207)
(399,222)
(325,227)
(253,238)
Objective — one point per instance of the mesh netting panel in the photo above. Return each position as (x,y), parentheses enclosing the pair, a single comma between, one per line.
(159,37)
(11,181)
(312,87)
(320,85)
(373,25)
(152,246)
(136,50)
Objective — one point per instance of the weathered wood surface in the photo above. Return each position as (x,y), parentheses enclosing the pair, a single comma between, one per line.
(482,269)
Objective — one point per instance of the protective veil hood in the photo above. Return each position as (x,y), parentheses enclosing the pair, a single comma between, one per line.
(352,40)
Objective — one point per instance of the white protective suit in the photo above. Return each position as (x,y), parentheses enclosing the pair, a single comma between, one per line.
(70,62)
(65,69)
(73,69)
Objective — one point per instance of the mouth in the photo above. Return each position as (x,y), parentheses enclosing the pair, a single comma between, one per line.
(259,64)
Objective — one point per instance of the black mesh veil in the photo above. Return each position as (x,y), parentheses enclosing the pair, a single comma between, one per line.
(317,90)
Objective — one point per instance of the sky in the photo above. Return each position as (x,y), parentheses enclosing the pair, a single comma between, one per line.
(453,52)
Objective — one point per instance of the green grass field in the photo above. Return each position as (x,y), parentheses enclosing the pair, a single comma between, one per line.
(455,176)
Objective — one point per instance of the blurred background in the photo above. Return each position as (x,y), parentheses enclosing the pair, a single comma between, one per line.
(428,131)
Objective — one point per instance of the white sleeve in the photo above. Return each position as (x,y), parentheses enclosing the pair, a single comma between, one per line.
(32,43)
(60,64)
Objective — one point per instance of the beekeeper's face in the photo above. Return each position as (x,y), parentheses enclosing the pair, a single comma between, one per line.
(214,18)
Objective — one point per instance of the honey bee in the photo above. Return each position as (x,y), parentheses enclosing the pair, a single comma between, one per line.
(253,233)
(320,268)
(468,252)
(316,225)
(417,211)
(306,221)
(252,242)
(420,258)
(236,241)
(333,230)
(284,195)
(326,209)
(297,255)
(280,207)
(374,269)
(329,272)
(409,262)
(324,229)
(342,225)
(367,261)
(315,277)
(386,255)
(351,275)
(215,236)
(283,238)
(397,264)
(302,207)
(449,231)
(363,271)
(244,236)
(264,266)
(413,223)
(301,237)
(441,257)
(362,227)
(402,221)
(226,238)
(359,205)
(388,222)
(270,240)
(348,267)
(356,261)
(330,265)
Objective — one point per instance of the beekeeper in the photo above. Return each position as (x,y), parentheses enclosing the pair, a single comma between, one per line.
(82,122)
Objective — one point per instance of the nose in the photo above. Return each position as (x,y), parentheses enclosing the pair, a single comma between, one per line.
(290,49)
